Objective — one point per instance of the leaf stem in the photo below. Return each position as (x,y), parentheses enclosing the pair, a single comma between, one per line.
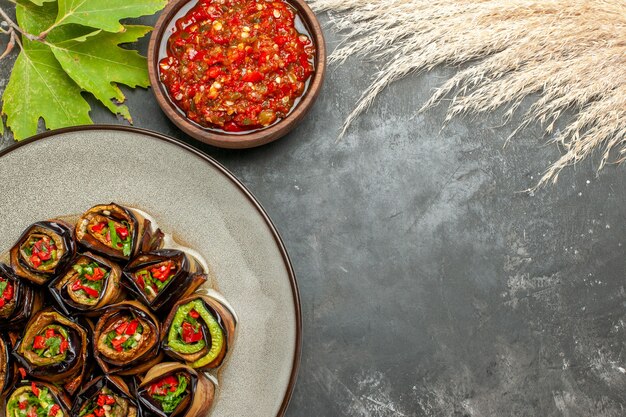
(11,44)
(15,27)
(43,34)
(17,39)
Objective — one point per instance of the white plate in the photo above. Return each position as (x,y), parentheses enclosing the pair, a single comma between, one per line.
(205,207)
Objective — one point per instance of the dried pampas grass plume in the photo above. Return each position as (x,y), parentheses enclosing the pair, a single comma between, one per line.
(571,53)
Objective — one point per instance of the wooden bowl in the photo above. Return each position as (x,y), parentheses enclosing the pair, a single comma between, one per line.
(221,138)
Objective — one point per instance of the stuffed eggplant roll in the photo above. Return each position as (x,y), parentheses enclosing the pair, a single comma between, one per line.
(91,283)
(116,232)
(54,348)
(199,331)
(127,339)
(160,278)
(18,300)
(105,396)
(37,399)
(175,390)
(43,251)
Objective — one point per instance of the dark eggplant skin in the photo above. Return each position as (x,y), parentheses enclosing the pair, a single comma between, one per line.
(28,300)
(72,371)
(129,365)
(112,293)
(8,367)
(65,233)
(112,382)
(186,280)
(201,391)
(143,240)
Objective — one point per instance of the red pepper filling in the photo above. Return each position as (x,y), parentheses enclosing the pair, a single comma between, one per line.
(237,65)
(33,406)
(41,251)
(163,272)
(54,410)
(96,407)
(191,331)
(122,232)
(116,237)
(6,291)
(98,228)
(50,342)
(89,291)
(191,334)
(163,386)
(125,335)
(90,279)
(34,388)
(152,280)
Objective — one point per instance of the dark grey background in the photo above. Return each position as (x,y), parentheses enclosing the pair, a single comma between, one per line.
(430,285)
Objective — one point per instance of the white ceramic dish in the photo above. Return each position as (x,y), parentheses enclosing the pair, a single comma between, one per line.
(205,207)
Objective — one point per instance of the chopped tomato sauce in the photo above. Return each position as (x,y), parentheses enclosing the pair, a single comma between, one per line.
(237,65)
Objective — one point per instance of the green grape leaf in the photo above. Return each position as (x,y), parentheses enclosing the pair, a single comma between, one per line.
(77,51)
(34,19)
(97,63)
(39,87)
(104,14)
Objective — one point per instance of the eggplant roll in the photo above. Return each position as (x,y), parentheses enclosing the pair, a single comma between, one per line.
(43,251)
(105,396)
(175,390)
(8,369)
(116,232)
(127,339)
(37,399)
(18,300)
(160,278)
(199,331)
(89,284)
(54,348)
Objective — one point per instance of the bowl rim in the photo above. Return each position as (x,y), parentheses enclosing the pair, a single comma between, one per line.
(245,140)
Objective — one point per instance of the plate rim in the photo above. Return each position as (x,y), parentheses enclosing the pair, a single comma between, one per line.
(237,183)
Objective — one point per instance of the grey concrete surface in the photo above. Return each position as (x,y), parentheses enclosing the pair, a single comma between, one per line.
(430,285)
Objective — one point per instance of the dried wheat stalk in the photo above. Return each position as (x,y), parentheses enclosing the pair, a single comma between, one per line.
(571,53)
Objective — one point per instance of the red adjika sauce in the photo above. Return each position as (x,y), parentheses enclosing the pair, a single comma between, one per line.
(237,65)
